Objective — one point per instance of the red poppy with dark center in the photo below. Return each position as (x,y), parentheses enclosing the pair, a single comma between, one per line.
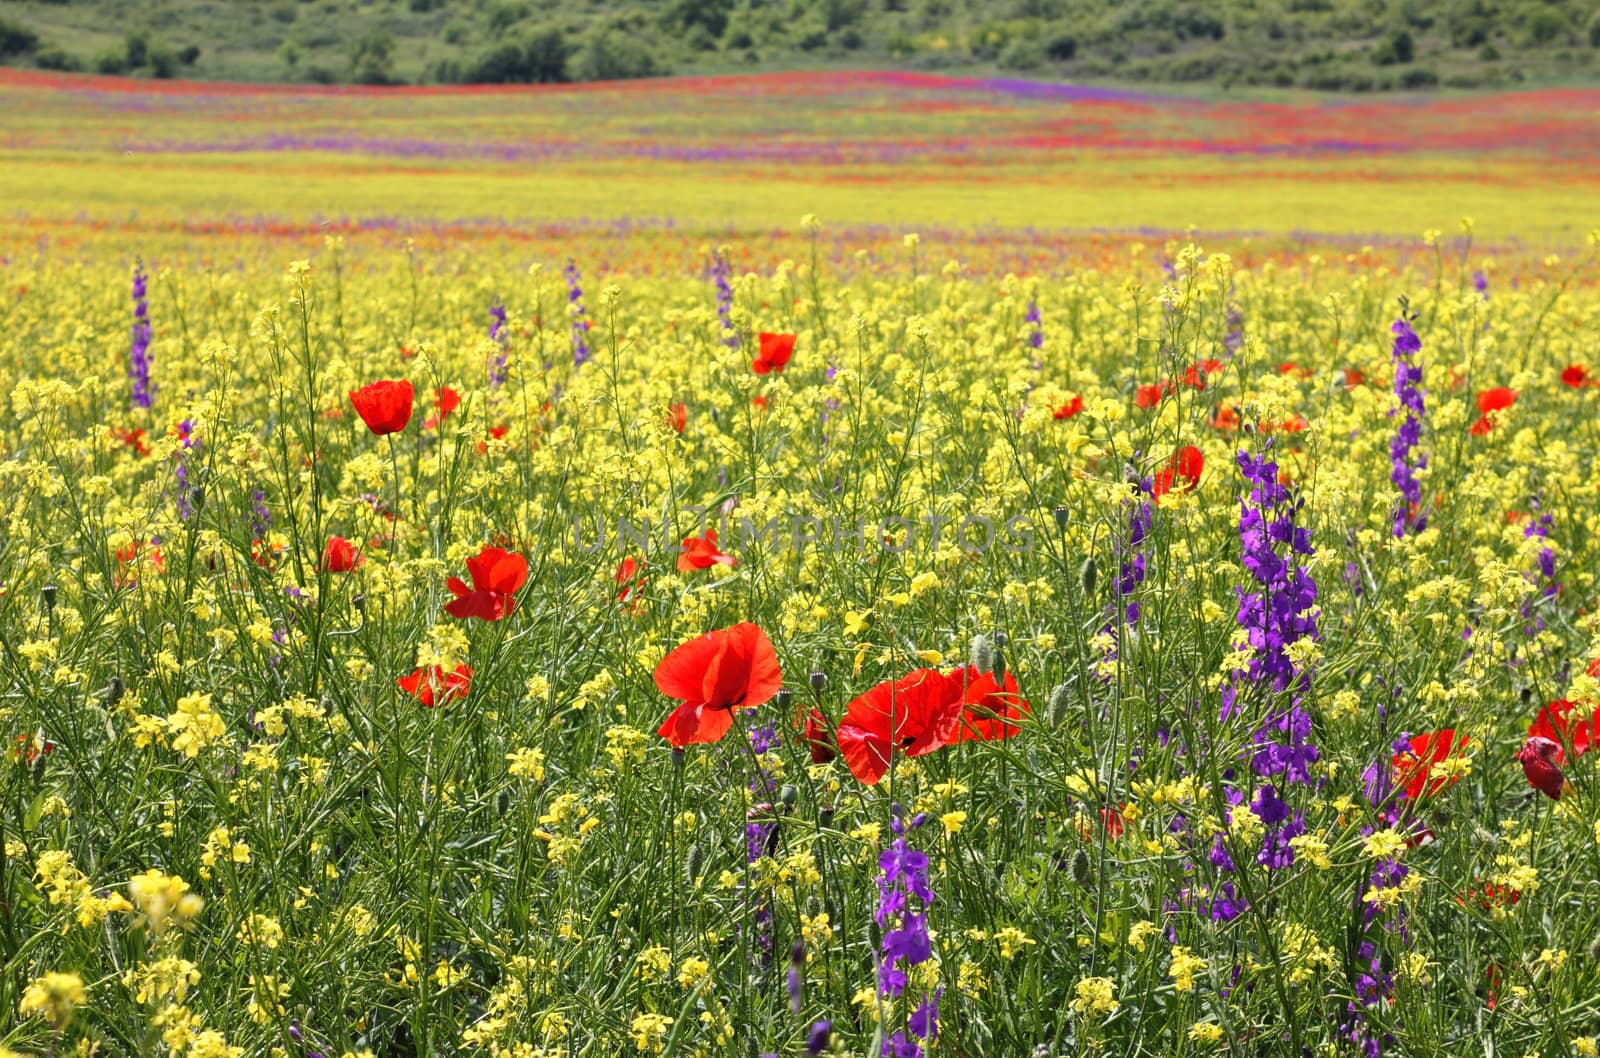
(497,576)
(716,674)
(773,353)
(340,556)
(1413,769)
(1540,758)
(1150,396)
(990,709)
(1181,474)
(914,715)
(1557,723)
(1576,376)
(436,686)
(1072,407)
(701,552)
(384,406)
(1490,401)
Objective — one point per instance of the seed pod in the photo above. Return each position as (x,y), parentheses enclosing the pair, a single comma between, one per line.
(678,757)
(1060,701)
(782,699)
(691,864)
(818,680)
(1080,867)
(1062,517)
(981,655)
(197,497)
(115,691)
(48,595)
(359,601)
(788,795)
(1089,574)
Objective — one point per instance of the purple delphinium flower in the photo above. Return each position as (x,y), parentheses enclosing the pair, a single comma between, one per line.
(260,513)
(1274,617)
(1408,515)
(144,393)
(183,474)
(1036,332)
(497,333)
(1538,527)
(903,875)
(817,1039)
(721,273)
(580,316)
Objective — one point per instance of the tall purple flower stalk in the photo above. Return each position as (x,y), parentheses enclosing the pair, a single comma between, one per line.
(761,836)
(903,875)
(497,333)
(1276,615)
(190,449)
(1036,320)
(721,274)
(1408,515)
(144,393)
(580,316)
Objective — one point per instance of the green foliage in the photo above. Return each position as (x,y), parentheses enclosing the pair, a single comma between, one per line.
(1280,43)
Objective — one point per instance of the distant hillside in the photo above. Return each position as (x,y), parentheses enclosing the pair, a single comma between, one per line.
(1335,45)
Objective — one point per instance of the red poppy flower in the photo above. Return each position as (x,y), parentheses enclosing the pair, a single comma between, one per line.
(340,556)
(134,439)
(913,715)
(1150,396)
(678,417)
(1353,377)
(1294,424)
(1556,723)
(496,433)
(773,353)
(728,669)
(1182,472)
(759,402)
(497,576)
(1489,896)
(128,558)
(1413,769)
(437,687)
(1492,400)
(1576,376)
(384,406)
(990,710)
(1072,407)
(1226,419)
(631,576)
(819,740)
(700,552)
(1110,818)
(1289,367)
(1538,757)
(1195,374)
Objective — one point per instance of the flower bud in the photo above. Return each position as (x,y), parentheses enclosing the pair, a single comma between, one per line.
(1089,574)
(691,864)
(817,1039)
(115,691)
(981,655)
(1080,867)
(999,669)
(788,795)
(1060,702)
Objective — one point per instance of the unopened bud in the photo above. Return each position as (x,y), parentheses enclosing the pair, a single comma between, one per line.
(197,497)
(691,865)
(788,795)
(999,669)
(1080,867)
(981,655)
(1060,700)
(797,953)
(115,691)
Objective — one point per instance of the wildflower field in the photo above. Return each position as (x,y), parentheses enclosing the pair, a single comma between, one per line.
(491,573)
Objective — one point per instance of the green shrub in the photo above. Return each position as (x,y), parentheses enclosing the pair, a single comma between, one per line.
(16,39)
